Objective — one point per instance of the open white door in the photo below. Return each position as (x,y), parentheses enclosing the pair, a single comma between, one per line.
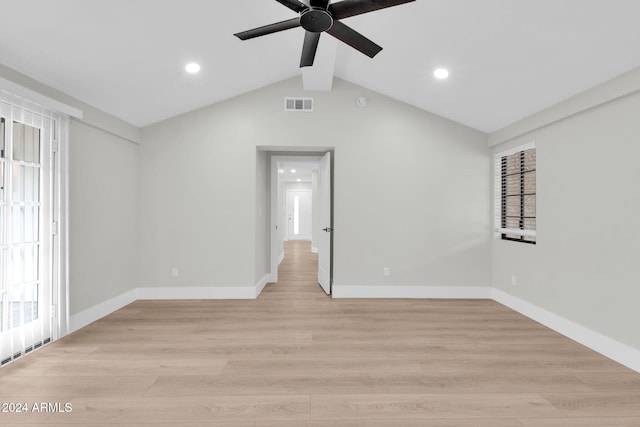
(324,222)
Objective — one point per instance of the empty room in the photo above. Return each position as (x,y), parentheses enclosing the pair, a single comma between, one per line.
(320,213)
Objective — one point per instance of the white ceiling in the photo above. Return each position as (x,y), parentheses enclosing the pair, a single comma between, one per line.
(303,170)
(507,58)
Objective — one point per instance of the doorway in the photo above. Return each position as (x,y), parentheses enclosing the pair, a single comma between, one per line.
(299,213)
(287,183)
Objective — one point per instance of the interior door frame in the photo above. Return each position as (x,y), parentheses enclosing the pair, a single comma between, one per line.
(292,154)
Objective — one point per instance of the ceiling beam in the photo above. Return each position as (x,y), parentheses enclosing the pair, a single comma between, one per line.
(319,77)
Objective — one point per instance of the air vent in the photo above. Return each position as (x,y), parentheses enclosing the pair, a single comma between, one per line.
(298,104)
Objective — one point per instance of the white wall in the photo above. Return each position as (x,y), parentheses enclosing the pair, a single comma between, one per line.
(296,186)
(412,194)
(412,190)
(585,266)
(103,216)
(198,199)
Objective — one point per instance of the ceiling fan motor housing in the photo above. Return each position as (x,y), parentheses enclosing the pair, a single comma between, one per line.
(316,20)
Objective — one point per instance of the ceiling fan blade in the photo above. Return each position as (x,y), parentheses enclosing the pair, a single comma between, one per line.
(295,5)
(309,49)
(354,39)
(269,29)
(319,3)
(347,8)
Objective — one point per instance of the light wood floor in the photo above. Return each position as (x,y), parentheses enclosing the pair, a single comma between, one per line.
(295,357)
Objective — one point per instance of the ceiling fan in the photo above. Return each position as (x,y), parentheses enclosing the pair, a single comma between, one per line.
(318,16)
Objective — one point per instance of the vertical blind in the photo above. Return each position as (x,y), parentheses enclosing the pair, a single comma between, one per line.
(27,135)
(516,191)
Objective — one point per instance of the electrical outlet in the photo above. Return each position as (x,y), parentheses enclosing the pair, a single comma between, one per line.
(174,272)
(387,271)
(514,280)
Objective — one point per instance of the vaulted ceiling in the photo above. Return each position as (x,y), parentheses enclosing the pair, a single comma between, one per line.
(507,58)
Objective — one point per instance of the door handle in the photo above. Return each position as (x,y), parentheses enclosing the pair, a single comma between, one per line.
(328,230)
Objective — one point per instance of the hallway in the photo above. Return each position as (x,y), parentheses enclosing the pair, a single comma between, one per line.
(297,275)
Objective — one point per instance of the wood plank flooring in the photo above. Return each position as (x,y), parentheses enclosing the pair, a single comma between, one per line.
(295,357)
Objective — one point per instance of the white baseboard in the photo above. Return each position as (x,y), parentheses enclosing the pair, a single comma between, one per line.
(314,250)
(281,258)
(450,292)
(198,292)
(615,350)
(90,315)
(261,284)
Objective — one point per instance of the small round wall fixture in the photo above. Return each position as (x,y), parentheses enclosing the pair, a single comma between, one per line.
(362,102)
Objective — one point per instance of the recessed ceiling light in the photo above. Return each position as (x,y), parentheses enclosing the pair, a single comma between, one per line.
(441,73)
(299,180)
(293,171)
(192,68)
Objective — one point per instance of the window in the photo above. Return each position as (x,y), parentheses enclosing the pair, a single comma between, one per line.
(516,194)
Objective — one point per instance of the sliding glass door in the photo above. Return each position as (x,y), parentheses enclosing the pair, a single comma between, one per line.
(27,146)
